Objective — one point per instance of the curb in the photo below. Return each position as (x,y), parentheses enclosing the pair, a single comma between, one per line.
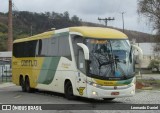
(147,88)
(9,84)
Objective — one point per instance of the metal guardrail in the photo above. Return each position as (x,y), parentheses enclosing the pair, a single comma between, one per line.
(5,74)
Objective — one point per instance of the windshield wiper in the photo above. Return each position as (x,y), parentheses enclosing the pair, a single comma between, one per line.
(101,61)
(115,59)
(107,63)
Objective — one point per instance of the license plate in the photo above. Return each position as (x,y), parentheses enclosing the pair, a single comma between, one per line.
(115,93)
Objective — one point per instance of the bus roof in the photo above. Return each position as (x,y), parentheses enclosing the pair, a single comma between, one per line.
(99,32)
(91,32)
(36,37)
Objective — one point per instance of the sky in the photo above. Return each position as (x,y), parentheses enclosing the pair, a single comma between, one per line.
(89,10)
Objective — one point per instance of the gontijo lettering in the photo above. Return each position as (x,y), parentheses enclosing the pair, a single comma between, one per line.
(31,63)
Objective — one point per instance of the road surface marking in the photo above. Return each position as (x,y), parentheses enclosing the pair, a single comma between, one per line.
(17,96)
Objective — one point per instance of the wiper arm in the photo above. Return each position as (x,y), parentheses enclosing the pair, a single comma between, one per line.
(122,61)
(106,63)
(128,77)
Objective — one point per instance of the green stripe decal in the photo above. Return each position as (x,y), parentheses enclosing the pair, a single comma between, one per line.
(124,82)
(113,82)
(48,70)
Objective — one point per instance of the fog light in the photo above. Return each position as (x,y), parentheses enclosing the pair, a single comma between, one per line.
(132,84)
(94,93)
(132,92)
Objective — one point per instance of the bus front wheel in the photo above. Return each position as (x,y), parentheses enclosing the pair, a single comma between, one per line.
(69,91)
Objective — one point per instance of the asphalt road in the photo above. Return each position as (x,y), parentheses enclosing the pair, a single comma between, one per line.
(14,95)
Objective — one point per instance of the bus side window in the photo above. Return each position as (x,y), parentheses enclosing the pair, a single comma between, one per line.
(76,39)
(42,47)
(31,48)
(53,46)
(39,48)
(64,47)
(81,61)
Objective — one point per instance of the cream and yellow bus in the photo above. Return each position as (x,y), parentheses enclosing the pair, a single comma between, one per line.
(89,62)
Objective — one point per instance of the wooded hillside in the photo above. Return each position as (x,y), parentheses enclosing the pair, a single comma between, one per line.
(29,23)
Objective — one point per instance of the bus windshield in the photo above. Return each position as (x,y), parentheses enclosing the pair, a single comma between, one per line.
(110,59)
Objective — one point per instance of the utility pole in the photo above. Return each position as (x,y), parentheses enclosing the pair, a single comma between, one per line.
(31,30)
(123,20)
(106,19)
(10,28)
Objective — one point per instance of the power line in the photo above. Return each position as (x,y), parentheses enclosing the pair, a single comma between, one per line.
(106,19)
(22,19)
(14,7)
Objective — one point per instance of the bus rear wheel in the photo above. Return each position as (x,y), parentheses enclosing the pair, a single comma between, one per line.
(27,84)
(69,91)
(22,84)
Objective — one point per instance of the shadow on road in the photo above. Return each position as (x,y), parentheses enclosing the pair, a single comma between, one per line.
(80,99)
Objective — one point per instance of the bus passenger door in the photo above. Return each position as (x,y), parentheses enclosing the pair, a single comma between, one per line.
(80,74)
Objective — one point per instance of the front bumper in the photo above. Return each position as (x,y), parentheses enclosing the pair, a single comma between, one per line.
(106,91)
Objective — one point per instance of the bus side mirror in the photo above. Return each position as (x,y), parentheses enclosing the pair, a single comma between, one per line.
(140,53)
(85,50)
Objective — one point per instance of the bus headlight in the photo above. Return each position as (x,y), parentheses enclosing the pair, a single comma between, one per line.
(93,84)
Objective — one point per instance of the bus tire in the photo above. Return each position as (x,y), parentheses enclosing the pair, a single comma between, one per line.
(22,84)
(108,99)
(69,91)
(27,84)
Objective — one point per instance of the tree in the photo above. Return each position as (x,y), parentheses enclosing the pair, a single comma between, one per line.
(151,9)
(3,28)
(75,19)
(66,15)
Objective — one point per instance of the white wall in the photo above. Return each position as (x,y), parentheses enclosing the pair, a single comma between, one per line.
(147,48)
(5,54)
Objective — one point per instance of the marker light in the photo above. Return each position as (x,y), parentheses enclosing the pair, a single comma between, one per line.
(95,85)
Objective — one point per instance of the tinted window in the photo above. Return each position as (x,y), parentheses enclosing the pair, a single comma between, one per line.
(53,46)
(43,47)
(25,49)
(76,39)
(64,49)
(81,61)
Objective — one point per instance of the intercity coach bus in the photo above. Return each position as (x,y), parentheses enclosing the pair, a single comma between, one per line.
(89,62)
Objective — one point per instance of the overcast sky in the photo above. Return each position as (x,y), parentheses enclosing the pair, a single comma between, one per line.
(88,10)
